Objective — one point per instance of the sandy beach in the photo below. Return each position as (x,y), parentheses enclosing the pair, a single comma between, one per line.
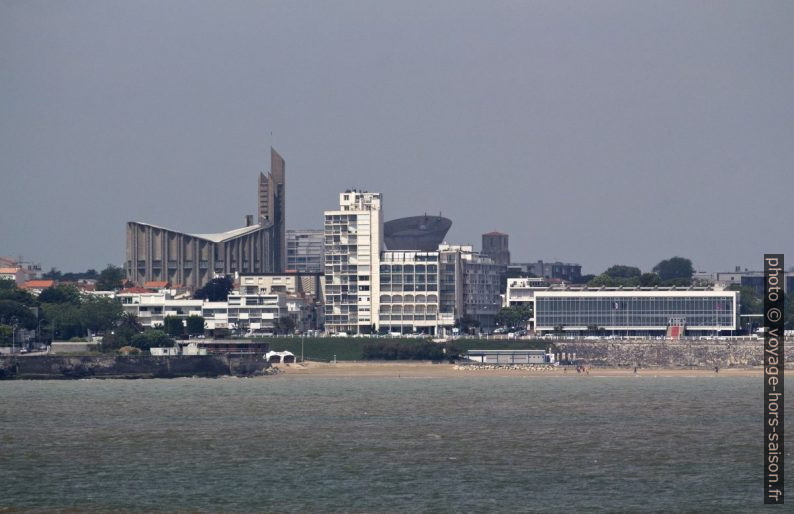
(406,369)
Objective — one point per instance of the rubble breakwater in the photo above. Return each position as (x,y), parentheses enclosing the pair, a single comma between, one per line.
(49,367)
(688,353)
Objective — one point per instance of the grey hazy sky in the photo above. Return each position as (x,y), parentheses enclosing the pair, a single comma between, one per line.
(594,132)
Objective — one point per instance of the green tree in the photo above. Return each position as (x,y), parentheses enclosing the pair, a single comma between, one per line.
(675,271)
(514,316)
(621,271)
(99,314)
(152,339)
(64,293)
(9,291)
(285,325)
(130,321)
(584,279)
(62,321)
(15,312)
(195,325)
(128,327)
(467,324)
(650,280)
(603,280)
(110,279)
(749,301)
(6,334)
(173,326)
(216,290)
(53,274)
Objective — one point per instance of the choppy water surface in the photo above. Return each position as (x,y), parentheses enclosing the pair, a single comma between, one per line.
(377,444)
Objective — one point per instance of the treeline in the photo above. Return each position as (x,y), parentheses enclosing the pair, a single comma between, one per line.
(59,312)
(109,279)
(390,350)
(675,271)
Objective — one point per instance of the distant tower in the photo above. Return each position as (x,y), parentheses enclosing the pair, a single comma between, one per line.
(273,206)
(494,245)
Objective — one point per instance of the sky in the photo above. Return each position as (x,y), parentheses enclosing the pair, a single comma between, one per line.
(591,132)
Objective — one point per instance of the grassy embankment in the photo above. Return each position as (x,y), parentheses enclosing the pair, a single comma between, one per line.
(352,348)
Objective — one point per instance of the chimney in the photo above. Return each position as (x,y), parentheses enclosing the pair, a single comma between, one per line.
(249,220)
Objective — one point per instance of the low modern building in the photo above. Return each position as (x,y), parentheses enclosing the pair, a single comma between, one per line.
(635,311)
(521,291)
(151,308)
(255,313)
(233,347)
(509,357)
(753,279)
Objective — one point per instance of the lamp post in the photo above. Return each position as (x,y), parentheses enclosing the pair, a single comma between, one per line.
(14,322)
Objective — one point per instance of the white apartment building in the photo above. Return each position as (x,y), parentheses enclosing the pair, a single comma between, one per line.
(353,242)
(521,291)
(255,313)
(249,313)
(151,308)
(409,294)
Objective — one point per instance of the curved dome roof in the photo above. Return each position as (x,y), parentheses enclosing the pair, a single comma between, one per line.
(423,233)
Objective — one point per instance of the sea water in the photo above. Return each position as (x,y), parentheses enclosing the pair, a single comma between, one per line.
(309,444)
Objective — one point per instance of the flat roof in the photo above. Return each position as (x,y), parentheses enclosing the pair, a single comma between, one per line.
(502,352)
(644,292)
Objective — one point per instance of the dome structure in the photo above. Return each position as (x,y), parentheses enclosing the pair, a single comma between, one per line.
(418,233)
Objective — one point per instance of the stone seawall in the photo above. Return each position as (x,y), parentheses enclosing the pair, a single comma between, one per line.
(118,366)
(669,353)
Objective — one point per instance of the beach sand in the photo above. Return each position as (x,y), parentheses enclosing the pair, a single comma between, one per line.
(406,369)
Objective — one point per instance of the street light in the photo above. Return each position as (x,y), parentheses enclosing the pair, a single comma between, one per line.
(14,322)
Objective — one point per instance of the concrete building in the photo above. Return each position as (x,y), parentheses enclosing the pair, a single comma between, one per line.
(256,313)
(307,284)
(155,253)
(469,284)
(151,308)
(548,270)
(495,245)
(409,294)
(272,207)
(353,242)
(636,311)
(521,291)
(419,233)
(305,251)
(753,279)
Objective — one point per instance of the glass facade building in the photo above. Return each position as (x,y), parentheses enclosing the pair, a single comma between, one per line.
(305,251)
(638,311)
